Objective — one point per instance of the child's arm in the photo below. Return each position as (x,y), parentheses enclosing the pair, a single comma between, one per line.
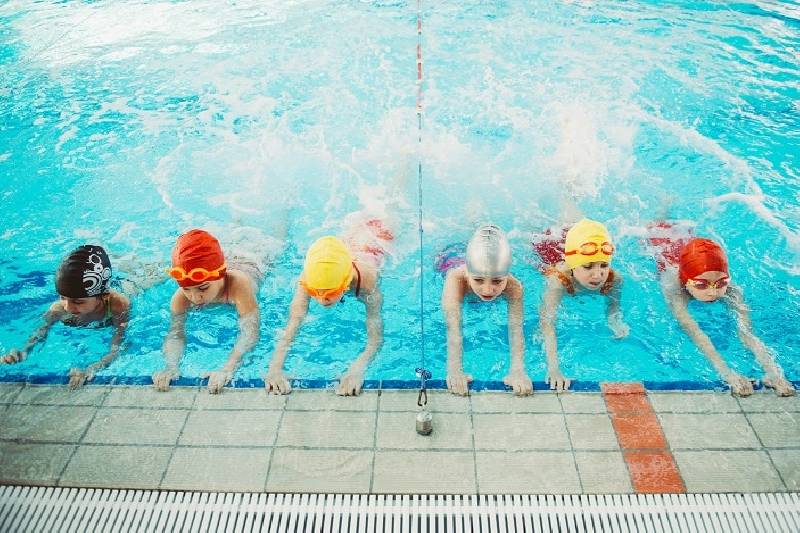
(351,382)
(613,311)
(276,380)
(547,318)
(773,377)
(517,378)
(243,294)
(678,302)
(120,308)
(174,343)
(452,298)
(53,315)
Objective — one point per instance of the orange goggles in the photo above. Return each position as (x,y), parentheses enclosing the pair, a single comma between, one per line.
(198,274)
(325,293)
(703,284)
(592,248)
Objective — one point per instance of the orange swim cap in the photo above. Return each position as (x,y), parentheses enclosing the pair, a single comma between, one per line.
(701,255)
(198,249)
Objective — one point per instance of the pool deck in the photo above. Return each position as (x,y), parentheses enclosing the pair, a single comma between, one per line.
(623,440)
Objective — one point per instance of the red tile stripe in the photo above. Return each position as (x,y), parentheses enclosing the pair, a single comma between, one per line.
(650,463)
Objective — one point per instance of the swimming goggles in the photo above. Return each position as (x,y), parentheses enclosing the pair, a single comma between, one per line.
(325,293)
(703,284)
(592,248)
(196,274)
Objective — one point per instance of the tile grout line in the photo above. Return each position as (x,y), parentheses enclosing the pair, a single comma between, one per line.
(764,448)
(101,400)
(474,448)
(571,445)
(178,439)
(374,443)
(275,438)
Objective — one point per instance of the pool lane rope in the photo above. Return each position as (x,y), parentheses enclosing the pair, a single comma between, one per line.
(423,417)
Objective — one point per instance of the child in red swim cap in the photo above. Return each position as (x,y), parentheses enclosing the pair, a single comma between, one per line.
(206,278)
(698,268)
(82,282)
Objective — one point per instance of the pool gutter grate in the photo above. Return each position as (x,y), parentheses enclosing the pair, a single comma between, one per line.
(30,509)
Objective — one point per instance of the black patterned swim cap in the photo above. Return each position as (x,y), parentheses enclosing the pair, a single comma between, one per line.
(85,272)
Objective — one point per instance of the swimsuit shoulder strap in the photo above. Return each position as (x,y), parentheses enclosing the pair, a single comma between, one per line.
(609,284)
(358,279)
(565,281)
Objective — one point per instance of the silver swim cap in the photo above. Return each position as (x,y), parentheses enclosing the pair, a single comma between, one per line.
(488,253)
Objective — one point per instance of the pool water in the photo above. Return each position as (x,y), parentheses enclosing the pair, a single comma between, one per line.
(125,123)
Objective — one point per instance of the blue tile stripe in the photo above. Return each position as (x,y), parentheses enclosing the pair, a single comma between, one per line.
(370,384)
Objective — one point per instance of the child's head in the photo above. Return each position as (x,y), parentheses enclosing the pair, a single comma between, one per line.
(488,261)
(327,271)
(83,279)
(703,270)
(587,252)
(198,265)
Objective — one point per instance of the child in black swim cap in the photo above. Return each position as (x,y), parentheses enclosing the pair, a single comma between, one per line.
(82,282)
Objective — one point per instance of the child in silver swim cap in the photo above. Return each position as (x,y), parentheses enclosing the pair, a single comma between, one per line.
(484,273)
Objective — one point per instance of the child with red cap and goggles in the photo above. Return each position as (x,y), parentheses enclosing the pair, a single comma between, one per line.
(581,266)
(334,267)
(83,284)
(204,278)
(698,268)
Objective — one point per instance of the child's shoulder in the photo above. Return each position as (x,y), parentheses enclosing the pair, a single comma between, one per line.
(119,302)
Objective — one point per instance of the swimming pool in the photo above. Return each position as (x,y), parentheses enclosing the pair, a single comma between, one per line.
(126,123)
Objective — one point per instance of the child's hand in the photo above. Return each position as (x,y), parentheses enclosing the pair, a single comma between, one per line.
(350,384)
(217,380)
(557,381)
(520,382)
(619,328)
(458,382)
(277,382)
(781,385)
(162,379)
(740,385)
(77,378)
(14,356)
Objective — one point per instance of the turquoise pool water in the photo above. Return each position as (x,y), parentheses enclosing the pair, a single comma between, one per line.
(125,123)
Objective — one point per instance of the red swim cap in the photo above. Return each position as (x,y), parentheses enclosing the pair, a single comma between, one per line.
(701,255)
(198,249)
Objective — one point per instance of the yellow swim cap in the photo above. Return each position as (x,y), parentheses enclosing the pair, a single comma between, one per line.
(587,241)
(328,265)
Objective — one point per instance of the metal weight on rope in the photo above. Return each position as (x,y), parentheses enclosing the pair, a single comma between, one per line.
(424,419)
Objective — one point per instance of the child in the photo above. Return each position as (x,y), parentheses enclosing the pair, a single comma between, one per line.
(82,281)
(581,266)
(334,267)
(205,279)
(484,273)
(698,268)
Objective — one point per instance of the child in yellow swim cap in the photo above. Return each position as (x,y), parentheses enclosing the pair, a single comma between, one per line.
(581,266)
(334,267)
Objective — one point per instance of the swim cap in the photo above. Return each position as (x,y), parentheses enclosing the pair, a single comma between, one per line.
(583,232)
(701,255)
(85,272)
(198,249)
(328,264)
(488,252)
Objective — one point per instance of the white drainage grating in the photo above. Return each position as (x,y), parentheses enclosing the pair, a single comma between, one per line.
(24,509)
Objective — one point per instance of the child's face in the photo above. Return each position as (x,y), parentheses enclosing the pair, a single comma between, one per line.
(593,275)
(205,292)
(81,306)
(486,288)
(329,300)
(708,286)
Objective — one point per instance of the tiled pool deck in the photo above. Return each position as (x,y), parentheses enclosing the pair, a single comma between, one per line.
(315,441)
